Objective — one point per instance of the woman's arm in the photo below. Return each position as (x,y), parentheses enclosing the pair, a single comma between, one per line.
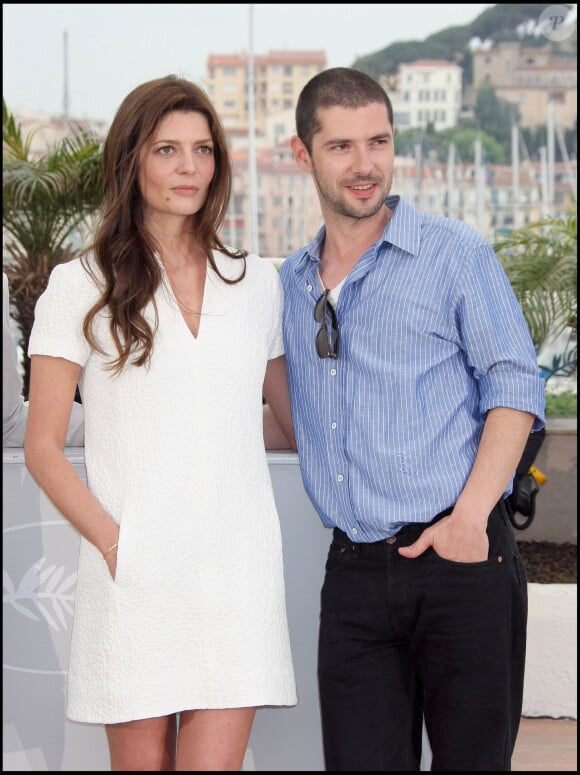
(278,428)
(52,388)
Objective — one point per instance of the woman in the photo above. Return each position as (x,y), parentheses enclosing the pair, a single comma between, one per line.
(174,340)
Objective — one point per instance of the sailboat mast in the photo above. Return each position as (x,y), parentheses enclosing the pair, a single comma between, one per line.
(516,176)
(65,103)
(252,166)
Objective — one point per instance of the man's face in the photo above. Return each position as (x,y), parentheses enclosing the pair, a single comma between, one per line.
(351,160)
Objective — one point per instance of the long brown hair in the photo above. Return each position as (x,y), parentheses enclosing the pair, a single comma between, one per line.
(123,250)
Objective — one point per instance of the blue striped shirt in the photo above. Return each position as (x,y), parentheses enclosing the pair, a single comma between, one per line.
(431,338)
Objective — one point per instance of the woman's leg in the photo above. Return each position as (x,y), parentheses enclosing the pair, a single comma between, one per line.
(144,744)
(213,740)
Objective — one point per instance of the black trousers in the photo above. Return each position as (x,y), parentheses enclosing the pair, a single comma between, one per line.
(404,639)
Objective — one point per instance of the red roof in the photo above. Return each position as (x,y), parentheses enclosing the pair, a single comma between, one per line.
(271,58)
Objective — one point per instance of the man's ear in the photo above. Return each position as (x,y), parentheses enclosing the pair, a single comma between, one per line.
(301,154)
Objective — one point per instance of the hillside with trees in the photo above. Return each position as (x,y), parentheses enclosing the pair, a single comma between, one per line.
(502,22)
(492,117)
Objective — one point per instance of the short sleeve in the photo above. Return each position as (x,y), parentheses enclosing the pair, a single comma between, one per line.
(275,340)
(59,314)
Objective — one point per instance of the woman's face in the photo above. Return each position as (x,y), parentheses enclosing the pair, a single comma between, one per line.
(177,164)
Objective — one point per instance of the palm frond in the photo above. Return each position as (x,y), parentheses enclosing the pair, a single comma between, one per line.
(48,202)
(541,263)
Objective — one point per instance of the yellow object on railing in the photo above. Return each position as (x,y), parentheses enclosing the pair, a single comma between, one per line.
(540,477)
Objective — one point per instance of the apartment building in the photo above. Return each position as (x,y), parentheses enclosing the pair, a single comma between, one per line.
(425,92)
(531,78)
(46,131)
(288,212)
(278,79)
(485,197)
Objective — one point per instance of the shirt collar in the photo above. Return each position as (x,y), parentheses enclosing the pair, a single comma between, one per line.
(403,230)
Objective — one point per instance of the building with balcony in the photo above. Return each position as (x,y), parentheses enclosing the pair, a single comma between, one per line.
(278,79)
(532,79)
(485,196)
(425,92)
(46,131)
(288,212)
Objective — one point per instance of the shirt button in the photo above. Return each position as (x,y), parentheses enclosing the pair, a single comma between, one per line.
(333,425)
(339,478)
(354,531)
(309,288)
(333,372)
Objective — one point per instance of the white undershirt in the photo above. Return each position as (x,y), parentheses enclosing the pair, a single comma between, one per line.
(334,292)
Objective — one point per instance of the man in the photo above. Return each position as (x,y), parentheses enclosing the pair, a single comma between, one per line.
(414,387)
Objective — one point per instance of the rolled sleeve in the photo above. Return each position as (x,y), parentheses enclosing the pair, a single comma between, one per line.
(521,391)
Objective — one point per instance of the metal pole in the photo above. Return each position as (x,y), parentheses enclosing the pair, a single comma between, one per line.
(65,92)
(550,158)
(451,181)
(544,181)
(419,169)
(252,166)
(478,184)
(516,175)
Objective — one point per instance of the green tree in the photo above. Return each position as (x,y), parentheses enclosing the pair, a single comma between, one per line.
(495,115)
(48,200)
(502,21)
(536,137)
(541,263)
(464,140)
(438,143)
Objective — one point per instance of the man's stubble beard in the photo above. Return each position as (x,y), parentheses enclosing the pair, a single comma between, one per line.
(339,206)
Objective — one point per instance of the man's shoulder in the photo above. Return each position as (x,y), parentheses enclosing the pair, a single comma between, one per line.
(454,229)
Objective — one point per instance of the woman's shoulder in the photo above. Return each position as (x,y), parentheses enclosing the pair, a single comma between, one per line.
(258,269)
(79,275)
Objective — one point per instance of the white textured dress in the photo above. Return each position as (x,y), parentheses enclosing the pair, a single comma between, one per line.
(196,617)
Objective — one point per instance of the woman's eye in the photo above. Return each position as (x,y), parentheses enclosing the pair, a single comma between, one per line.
(165,150)
(205,150)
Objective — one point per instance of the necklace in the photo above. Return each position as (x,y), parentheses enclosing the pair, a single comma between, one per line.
(185,308)
(158,233)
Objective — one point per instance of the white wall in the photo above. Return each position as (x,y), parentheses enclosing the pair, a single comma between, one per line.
(40,553)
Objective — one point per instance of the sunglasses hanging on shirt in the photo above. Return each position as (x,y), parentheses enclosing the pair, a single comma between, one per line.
(327,335)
